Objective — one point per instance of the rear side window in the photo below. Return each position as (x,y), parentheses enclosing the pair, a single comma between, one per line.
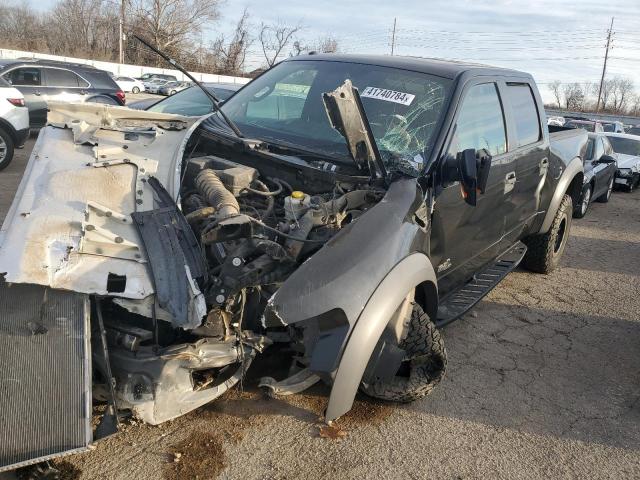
(525,114)
(25,76)
(56,77)
(481,122)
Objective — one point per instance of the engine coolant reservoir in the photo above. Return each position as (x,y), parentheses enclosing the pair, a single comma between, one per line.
(296,204)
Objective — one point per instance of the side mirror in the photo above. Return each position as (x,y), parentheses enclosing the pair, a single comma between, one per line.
(607,159)
(473,168)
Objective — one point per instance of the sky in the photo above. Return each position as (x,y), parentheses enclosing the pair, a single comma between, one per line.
(551,39)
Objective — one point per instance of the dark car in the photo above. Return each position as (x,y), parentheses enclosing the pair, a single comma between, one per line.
(161,76)
(339,210)
(600,168)
(44,80)
(191,101)
(588,125)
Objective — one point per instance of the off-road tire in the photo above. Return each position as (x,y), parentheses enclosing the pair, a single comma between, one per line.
(578,211)
(425,357)
(135,90)
(606,196)
(545,250)
(9,146)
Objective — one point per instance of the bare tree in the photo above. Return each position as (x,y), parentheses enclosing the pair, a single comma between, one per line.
(274,38)
(172,25)
(555,89)
(621,90)
(230,56)
(573,96)
(21,27)
(326,44)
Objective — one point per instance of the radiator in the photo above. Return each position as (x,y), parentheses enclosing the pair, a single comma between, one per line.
(45,374)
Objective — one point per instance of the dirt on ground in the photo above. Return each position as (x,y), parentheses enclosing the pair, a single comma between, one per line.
(542,382)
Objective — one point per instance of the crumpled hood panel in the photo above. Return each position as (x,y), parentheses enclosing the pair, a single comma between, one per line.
(628,161)
(69,226)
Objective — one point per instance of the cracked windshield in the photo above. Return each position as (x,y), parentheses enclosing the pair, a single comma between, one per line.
(285,106)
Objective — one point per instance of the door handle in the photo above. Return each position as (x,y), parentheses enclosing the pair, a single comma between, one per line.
(509,182)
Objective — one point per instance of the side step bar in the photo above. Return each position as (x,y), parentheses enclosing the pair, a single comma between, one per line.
(456,304)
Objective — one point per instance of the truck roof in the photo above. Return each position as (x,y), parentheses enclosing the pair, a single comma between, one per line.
(433,66)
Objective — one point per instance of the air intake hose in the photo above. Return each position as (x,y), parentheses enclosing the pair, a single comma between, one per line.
(213,190)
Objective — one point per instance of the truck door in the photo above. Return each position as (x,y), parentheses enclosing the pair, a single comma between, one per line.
(530,152)
(465,237)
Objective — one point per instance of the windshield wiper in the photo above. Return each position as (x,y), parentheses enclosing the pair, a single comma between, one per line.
(212,97)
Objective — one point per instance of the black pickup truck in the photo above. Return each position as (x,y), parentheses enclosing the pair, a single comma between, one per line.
(341,209)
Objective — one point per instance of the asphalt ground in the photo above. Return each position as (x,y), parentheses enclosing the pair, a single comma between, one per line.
(543,382)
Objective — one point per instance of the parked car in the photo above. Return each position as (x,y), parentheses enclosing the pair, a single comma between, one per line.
(129,84)
(161,76)
(191,102)
(343,208)
(14,122)
(615,127)
(556,121)
(600,167)
(154,85)
(588,125)
(627,148)
(172,88)
(635,130)
(44,80)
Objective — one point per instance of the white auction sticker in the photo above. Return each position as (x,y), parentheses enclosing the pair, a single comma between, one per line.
(388,95)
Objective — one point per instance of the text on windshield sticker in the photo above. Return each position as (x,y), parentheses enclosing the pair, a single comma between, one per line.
(388,95)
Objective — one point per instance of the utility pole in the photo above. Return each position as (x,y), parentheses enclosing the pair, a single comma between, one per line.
(121,36)
(393,36)
(604,67)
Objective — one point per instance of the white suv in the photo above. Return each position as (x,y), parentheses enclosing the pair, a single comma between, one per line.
(14,122)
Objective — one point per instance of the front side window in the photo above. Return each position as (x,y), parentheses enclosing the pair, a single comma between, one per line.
(625,146)
(56,77)
(599,149)
(25,76)
(285,106)
(527,123)
(480,122)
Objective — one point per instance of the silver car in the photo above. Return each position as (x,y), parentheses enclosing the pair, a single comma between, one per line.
(172,88)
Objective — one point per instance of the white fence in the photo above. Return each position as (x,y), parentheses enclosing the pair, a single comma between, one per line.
(122,68)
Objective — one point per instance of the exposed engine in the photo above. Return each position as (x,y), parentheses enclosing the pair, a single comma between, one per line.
(255,231)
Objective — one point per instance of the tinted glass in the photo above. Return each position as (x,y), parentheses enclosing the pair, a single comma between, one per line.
(56,77)
(589,127)
(192,102)
(609,127)
(525,113)
(25,76)
(481,122)
(590,146)
(222,93)
(627,146)
(285,104)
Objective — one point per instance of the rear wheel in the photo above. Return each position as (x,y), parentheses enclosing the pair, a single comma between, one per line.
(607,195)
(580,210)
(423,366)
(173,92)
(545,250)
(6,149)
(135,90)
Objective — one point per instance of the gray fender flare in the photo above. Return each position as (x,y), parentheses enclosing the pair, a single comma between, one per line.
(574,168)
(406,275)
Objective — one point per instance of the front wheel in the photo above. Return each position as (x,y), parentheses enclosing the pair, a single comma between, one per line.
(423,366)
(580,210)
(607,195)
(545,250)
(135,90)
(6,149)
